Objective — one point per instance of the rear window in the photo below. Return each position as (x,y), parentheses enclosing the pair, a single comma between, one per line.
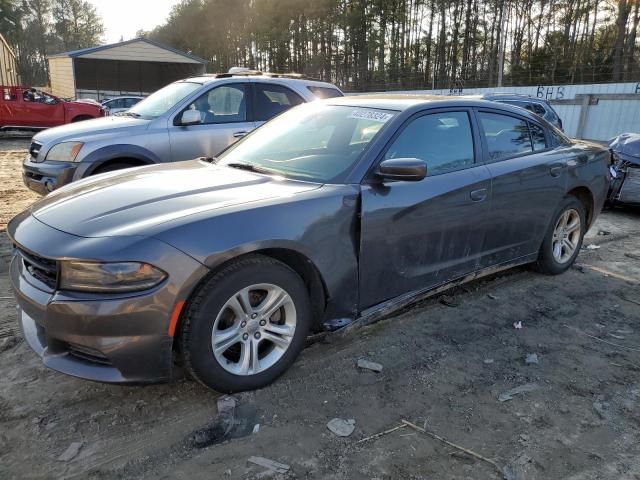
(506,136)
(538,137)
(325,92)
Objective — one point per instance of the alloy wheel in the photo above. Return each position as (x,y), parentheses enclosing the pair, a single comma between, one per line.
(566,236)
(254,329)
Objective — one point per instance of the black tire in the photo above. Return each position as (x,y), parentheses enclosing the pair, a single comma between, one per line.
(209,300)
(546,262)
(112,167)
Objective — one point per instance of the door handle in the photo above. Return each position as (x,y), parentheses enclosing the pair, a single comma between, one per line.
(239,134)
(556,171)
(478,195)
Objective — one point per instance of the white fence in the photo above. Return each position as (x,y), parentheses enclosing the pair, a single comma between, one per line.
(595,112)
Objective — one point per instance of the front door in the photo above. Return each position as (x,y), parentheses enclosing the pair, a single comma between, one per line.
(37,109)
(528,181)
(416,235)
(225,113)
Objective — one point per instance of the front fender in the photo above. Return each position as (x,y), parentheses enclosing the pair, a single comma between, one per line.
(98,157)
(321,225)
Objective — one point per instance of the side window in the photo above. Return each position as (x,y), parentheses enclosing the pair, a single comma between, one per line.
(47,99)
(506,136)
(538,109)
(224,104)
(117,103)
(325,92)
(537,136)
(130,102)
(9,95)
(443,140)
(272,100)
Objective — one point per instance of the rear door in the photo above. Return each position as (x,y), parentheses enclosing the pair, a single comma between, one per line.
(529,179)
(416,235)
(225,112)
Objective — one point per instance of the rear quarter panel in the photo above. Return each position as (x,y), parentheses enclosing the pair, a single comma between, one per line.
(588,167)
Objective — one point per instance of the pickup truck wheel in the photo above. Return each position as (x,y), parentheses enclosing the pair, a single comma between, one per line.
(81,118)
(246,325)
(111,167)
(563,240)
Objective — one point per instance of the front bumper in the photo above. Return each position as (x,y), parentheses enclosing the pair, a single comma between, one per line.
(108,338)
(108,341)
(44,177)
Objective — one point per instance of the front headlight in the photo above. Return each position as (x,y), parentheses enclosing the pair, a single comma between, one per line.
(109,277)
(65,152)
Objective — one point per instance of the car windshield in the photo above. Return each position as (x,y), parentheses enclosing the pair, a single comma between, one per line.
(313,142)
(163,100)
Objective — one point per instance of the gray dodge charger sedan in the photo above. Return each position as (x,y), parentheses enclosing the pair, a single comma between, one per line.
(334,212)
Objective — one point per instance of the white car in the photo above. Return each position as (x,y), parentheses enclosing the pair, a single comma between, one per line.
(119,104)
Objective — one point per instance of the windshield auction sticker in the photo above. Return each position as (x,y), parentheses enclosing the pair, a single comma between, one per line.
(372,115)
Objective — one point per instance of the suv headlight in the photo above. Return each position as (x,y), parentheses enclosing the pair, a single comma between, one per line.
(109,277)
(65,152)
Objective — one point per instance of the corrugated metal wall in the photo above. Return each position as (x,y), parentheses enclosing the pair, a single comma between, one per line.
(605,119)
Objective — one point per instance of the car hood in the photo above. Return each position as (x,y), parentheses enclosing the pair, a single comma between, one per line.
(627,147)
(87,128)
(134,201)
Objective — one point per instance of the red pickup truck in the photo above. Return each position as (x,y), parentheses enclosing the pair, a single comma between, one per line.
(24,108)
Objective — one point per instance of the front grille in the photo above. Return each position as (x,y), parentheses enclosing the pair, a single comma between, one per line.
(43,269)
(87,354)
(34,149)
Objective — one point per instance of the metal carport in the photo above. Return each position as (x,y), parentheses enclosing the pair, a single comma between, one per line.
(135,67)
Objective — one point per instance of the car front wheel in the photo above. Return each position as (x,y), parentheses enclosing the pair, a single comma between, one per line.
(563,240)
(246,325)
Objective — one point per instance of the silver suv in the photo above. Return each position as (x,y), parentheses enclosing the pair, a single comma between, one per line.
(195,117)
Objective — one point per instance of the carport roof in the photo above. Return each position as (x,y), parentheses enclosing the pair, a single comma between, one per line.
(87,51)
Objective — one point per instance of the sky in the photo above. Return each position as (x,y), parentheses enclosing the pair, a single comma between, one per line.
(123,18)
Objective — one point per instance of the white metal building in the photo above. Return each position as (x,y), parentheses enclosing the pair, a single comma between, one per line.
(135,67)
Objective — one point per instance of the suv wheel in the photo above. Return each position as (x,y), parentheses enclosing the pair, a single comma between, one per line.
(246,325)
(563,240)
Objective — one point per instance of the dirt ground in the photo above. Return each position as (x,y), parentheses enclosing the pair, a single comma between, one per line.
(445,367)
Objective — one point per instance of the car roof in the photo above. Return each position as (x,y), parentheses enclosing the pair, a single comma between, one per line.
(401,102)
(512,96)
(272,78)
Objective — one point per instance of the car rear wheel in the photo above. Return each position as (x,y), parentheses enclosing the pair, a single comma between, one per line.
(563,240)
(81,118)
(246,325)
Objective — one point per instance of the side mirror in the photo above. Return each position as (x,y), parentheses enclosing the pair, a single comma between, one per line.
(190,117)
(407,169)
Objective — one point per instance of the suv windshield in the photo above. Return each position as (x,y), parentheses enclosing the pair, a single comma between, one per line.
(163,100)
(313,142)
